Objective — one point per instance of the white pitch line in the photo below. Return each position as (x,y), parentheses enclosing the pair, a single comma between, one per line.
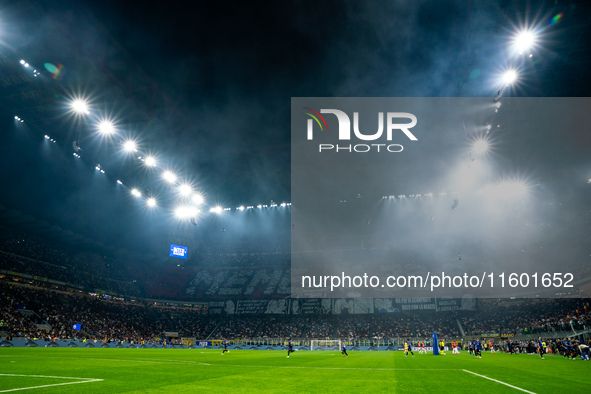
(80,380)
(498,381)
(44,376)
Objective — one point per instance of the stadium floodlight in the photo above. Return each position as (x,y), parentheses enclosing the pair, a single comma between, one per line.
(119,182)
(151,202)
(22,62)
(150,161)
(80,106)
(169,176)
(513,189)
(509,77)
(524,41)
(135,192)
(217,210)
(106,127)
(480,146)
(240,208)
(130,146)
(198,198)
(185,189)
(506,190)
(185,212)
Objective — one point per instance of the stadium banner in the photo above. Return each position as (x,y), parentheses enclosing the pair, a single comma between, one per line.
(315,306)
(216,307)
(415,304)
(343,306)
(339,306)
(203,343)
(448,304)
(363,305)
(384,305)
(277,307)
(401,197)
(251,307)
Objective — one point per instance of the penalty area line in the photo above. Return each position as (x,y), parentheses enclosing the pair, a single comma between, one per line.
(80,380)
(498,381)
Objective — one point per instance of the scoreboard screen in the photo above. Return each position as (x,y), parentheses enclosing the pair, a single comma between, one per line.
(178,251)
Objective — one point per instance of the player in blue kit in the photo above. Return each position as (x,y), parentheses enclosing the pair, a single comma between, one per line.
(225,347)
(408,348)
(568,348)
(289,348)
(344,349)
(478,348)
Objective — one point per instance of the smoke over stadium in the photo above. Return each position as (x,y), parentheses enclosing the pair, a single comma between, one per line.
(280,183)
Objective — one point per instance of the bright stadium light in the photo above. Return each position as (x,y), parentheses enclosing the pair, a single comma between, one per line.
(169,176)
(513,189)
(80,106)
(185,212)
(217,209)
(480,146)
(524,41)
(185,189)
(509,77)
(136,192)
(198,198)
(506,190)
(106,127)
(119,182)
(150,161)
(151,202)
(130,146)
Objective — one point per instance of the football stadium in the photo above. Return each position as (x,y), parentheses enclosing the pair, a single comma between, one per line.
(194,196)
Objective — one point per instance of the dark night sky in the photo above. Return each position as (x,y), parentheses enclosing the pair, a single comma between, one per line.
(207,85)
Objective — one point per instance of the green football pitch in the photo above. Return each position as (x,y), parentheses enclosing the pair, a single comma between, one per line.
(188,370)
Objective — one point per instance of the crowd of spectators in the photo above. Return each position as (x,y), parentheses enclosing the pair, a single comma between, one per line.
(37,312)
(282,327)
(41,312)
(528,317)
(26,254)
